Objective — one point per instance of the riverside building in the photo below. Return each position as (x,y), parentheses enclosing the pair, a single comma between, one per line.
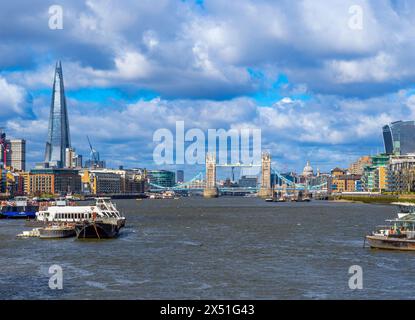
(51,181)
(401,173)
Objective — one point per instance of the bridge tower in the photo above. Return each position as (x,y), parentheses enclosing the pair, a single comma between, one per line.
(265,191)
(210,191)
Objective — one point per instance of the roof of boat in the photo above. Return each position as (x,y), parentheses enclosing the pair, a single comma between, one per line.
(405,204)
(68,209)
(410,217)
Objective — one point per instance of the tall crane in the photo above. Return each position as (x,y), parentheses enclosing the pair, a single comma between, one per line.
(94,158)
(94,153)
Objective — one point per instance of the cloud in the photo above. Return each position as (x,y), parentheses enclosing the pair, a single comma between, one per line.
(14,101)
(291,129)
(205,53)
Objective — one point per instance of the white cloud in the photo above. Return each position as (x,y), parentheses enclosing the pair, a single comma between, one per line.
(132,65)
(14,100)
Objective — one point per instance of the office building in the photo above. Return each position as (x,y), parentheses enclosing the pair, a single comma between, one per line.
(375,176)
(358,166)
(401,173)
(52,181)
(15,154)
(180,176)
(345,183)
(102,181)
(162,178)
(132,180)
(94,164)
(399,138)
(248,182)
(12,152)
(72,159)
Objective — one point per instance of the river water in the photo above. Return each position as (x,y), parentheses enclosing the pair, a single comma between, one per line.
(225,248)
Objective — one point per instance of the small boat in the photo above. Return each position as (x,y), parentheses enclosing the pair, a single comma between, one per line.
(28,234)
(269,200)
(251,195)
(399,234)
(168,194)
(57,231)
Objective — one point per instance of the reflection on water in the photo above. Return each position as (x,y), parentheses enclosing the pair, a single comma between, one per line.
(226,248)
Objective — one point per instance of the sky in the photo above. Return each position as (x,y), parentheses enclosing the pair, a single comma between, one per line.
(318,84)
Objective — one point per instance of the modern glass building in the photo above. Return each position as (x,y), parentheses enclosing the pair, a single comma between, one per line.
(399,137)
(180,176)
(248,182)
(162,178)
(58,133)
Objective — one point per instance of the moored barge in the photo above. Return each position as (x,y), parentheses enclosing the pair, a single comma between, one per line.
(57,231)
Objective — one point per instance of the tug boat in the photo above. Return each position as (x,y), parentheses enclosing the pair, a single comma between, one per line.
(19,208)
(399,234)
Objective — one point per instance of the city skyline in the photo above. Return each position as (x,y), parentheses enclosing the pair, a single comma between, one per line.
(324,100)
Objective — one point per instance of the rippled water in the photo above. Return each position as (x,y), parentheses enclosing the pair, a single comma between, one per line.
(226,248)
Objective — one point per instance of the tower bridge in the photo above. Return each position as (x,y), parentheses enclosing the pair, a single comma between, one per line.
(206,182)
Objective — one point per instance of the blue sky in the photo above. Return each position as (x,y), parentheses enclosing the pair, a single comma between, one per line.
(318,89)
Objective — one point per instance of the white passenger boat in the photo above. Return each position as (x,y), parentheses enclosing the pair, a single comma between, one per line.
(103,209)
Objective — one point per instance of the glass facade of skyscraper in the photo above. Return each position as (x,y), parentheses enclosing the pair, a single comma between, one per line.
(162,178)
(399,137)
(58,132)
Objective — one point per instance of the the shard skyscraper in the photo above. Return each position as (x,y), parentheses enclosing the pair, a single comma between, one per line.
(58,133)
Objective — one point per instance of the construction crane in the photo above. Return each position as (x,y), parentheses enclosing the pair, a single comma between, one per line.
(94,153)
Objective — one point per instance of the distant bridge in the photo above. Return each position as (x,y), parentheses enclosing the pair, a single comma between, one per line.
(198,183)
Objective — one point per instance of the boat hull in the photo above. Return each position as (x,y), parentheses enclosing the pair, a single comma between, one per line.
(56,234)
(386,243)
(18,215)
(97,230)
